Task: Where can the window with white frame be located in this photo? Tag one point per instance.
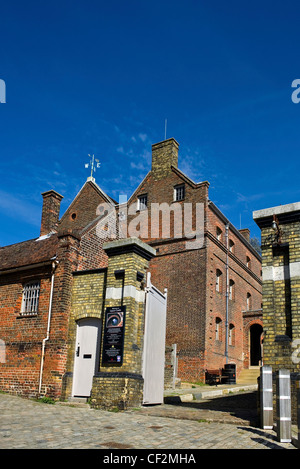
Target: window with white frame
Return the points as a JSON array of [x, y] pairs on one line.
[[218, 280], [231, 335], [142, 202], [30, 299], [231, 289], [219, 234], [179, 192], [218, 329], [248, 301], [231, 246]]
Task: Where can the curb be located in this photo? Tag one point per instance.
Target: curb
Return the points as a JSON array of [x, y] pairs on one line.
[[196, 395]]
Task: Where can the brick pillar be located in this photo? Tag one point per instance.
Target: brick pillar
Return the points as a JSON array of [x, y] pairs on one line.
[[57, 347], [119, 381], [280, 243]]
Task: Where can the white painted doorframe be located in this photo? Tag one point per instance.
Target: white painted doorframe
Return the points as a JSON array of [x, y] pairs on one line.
[[87, 349]]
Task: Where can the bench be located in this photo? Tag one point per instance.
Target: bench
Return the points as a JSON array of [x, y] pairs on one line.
[[214, 376]]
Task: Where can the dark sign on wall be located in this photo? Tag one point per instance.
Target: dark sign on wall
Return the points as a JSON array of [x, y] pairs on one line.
[[113, 339]]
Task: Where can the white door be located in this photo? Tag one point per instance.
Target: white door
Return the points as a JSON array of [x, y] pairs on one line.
[[86, 355], [154, 345]]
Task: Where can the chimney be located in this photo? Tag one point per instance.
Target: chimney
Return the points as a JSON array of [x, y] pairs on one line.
[[246, 233], [164, 155], [50, 212]]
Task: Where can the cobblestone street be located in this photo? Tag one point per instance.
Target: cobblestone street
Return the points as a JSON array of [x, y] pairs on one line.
[[33, 425]]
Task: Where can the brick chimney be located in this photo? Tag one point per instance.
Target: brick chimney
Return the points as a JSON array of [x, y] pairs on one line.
[[246, 233], [50, 212], [164, 155]]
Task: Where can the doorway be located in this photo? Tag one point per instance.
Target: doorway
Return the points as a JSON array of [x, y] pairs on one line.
[[256, 331], [87, 349]]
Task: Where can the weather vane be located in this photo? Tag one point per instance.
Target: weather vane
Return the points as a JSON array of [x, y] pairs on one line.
[[94, 163]]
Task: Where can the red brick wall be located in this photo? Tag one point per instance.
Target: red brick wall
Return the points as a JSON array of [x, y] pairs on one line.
[[183, 274], [22, 336], [245, 280]]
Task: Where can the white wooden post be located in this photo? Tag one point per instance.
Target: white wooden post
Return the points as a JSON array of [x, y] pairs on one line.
[[266, 397], [284, 410]]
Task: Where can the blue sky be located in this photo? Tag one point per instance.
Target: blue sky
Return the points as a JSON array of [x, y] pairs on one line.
[[101, 78]]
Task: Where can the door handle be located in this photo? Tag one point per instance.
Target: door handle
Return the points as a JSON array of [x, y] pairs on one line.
[[78, 351]]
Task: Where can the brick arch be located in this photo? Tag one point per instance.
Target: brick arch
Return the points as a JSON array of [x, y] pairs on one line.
[[246, 339]]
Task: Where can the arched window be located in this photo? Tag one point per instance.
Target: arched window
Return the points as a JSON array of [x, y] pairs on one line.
[[231, 289], [231, 246], [249, 301], [219, 234], [218, 280], [231, 334], [248, 262], [218, 329]]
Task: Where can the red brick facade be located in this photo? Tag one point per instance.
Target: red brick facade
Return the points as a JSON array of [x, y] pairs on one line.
[[196, 315]]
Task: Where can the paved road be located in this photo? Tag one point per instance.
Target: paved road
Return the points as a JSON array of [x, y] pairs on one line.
[[27, 424]]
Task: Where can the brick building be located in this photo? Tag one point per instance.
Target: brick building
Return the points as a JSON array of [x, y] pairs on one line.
[[211, 271]]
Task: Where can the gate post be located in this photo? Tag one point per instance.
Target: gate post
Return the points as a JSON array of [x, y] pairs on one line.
[[284, 412], [119, 382], [266, 397], [298, 409]]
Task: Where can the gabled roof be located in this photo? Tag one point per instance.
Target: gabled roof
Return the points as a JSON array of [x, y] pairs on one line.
[[83, 209]]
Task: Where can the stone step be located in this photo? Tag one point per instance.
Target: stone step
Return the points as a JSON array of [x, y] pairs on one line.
[[248, 376]]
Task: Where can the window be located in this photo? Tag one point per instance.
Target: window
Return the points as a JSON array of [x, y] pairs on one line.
[[30, 299], [218, 280], [218, 329], [231, 245], [179, 192], [231, 335], [248, 262], [248, 301], [231, 289], [142, 202], [219, 234]]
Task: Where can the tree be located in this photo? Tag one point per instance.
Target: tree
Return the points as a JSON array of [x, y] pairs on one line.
[[255, 243]]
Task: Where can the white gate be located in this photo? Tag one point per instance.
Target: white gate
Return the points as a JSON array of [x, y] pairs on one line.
[[86, 355], [154, 344]]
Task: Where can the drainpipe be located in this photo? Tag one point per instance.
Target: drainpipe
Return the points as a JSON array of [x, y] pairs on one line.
[[227, 293], [54, 265]]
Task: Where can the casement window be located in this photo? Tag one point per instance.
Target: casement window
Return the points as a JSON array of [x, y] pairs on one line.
[[179, 192], [218, 280], [142, 202], [30, 299]]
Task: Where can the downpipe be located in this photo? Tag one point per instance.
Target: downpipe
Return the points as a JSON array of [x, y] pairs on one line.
[[54, 265], [227, 293]]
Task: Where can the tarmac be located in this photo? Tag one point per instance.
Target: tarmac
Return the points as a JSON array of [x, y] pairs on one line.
[[191, 419]]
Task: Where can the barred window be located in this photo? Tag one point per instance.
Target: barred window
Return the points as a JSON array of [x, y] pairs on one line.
[[30, 300]]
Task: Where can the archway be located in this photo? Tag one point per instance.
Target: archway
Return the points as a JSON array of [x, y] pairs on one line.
[[256, 331]]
